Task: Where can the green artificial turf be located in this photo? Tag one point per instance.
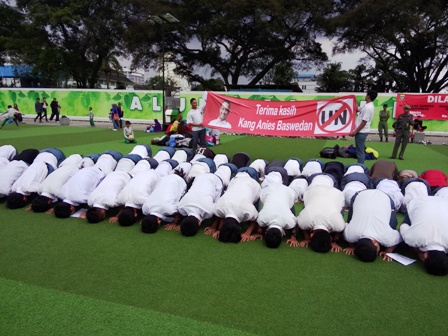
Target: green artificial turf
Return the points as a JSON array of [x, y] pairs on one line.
[[68, 277]]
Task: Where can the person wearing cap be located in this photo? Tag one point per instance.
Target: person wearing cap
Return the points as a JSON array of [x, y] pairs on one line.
[[371, 224], [403, 132], [382, 124], [128, 133]]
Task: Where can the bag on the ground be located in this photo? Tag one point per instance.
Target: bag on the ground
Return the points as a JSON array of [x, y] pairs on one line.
[[329, 152]]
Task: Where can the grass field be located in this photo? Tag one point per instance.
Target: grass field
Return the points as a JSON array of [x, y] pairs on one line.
[[68, 277]]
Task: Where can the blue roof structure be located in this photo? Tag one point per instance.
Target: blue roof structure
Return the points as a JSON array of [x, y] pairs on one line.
[[14, 71]]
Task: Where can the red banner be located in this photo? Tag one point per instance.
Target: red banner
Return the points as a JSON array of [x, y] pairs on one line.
[[335, 116], [429, 106]]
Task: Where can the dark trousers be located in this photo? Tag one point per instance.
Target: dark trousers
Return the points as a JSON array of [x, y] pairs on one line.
[[54, 114], [198, 137], [39, 115], [402, 137]]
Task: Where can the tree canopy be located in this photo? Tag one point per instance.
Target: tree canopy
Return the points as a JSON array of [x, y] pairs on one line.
[[407, 40]]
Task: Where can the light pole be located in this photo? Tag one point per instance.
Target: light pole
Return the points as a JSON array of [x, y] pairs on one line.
[[163, 19]]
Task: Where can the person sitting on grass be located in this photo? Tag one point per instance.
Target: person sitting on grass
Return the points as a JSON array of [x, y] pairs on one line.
[[425, 228], [238, 204], [128, 133], [10, 115], [371, 224], [320, 227]]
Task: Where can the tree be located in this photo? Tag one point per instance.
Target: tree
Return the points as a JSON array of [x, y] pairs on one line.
[[235, 39], [408, 40], [212, 84], [80, 33], [333, 79], [111, 64]]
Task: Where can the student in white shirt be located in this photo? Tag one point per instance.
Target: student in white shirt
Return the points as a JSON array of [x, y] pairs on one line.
[[7, 152], [238, 204], [78, 188], [28, 184], [321, 227], [425, 228], [371, 224], [199, 202]]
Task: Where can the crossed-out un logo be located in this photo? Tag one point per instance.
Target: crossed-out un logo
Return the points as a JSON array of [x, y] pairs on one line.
[[334, 116]]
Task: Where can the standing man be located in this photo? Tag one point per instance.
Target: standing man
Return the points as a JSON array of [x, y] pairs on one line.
[[194, 119], [382, 124], [54, 105], [362, 125], [38, 109], [403, 132], [44, 108]]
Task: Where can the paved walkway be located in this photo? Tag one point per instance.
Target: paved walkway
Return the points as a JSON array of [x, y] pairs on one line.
[[140, 125]]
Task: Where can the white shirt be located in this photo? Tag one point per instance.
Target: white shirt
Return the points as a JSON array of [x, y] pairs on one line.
[[180, 156], [106, 193], [196, 116], [414, 190], [140, 150], [370, 219], [163, 201], [10, 113], [86, 162], [138, 189], [47, 158], [78, 188], [163, 169], [8, 152], [293, 168], [322, 180], [272, 178], [198, 168], [51, 187], [220, 159], [429, 229], [31, 179], [224, 173], [3, 162], [9, 174], [391, 188], [277, 200], [299, 185], [106, 163], [312, 167], [238, 201], [140, 167], [72, 160], [350, 189], [220, 123], [162, 156], [443, 192], [200, 199], [354, 169], [322, 209], [366, 114], [260, 166], [125, 164], [197, 156]]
